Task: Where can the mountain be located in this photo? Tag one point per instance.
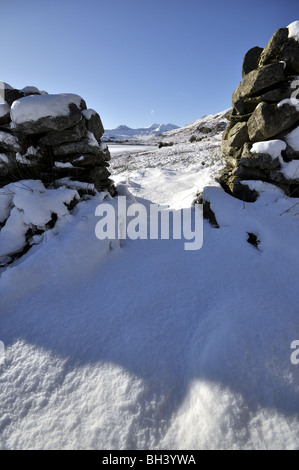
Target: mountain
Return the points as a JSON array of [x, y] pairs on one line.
[[123, 132]]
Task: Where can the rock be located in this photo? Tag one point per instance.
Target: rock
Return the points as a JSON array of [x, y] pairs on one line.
[[37, 114], [209, 214], [94, 123], [281, 48], [4, 112], [258, 80], [270, 120], [271, 52], [226, 131], [246, 106], [10, 94], [243, 192], [250, 173], [220, 127], [251, 60], [260, 161], [74, 134], [290, 55], [238, 135], [82, 147], [51, 138], [9, 143], [87, 160]]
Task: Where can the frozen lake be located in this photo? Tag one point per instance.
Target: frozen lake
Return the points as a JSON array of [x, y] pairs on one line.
[[124, 149]]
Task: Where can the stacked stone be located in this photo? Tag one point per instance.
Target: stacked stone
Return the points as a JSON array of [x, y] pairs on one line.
[[53, 138], [264, 108]]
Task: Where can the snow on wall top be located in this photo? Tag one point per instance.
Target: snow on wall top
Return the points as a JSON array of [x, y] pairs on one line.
[[32, 108], [294, 30], [88, 113]]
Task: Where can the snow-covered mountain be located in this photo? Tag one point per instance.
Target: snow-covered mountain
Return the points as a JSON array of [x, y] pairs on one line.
[[123, 132]]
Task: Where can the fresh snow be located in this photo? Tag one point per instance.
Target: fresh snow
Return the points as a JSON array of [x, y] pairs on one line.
[[4, 107], [294, 30], [34, 107], [274, 148], [27, 204], [30, 89], [290, 102], [270, 147], [290, 169], [3, 158], [88, 113], [143, 345], [92, 140], [293, 139], [9, 140], [63, 165], [123, 132]]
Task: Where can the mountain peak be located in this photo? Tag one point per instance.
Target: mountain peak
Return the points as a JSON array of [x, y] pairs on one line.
[[124, 132]]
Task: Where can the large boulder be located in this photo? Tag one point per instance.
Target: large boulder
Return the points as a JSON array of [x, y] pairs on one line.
[[258, 80], [73, 134], [251, 60], [281, 47], [36, 114], [86, 145], [238, 135], [93, 123], [268, 120]]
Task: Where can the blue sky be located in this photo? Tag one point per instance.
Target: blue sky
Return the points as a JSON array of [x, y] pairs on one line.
[[137, 62]]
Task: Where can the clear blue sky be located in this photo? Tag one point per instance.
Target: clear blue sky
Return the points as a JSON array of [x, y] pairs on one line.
[[136, 61]]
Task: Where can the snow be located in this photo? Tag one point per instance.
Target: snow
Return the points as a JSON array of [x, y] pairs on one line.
[[294, 30], [270, 147], [34, 107], [9, 140], [146, 345], [88, 113], [30, 89], [290, 169], [3, 158], [290, 102], [4, 108], [293, 139], [122, 149], [92, 140], [78, 185], [27, 204], [63, 165]]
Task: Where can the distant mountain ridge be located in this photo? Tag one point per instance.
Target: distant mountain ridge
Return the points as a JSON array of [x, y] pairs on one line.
[[124, 132]]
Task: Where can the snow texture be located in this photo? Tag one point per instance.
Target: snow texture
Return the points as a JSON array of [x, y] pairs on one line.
[[26, 204], [149, 346], [88, 113], [290, 102], [293, 139], [294, 30], [34, 107], [270, 147], [4, 108], [30, 89]]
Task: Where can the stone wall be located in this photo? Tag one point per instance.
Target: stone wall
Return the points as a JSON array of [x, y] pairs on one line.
[[261, 141], [51, 138]]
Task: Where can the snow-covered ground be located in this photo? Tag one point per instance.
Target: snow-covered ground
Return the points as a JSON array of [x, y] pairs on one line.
[[144, 345]]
